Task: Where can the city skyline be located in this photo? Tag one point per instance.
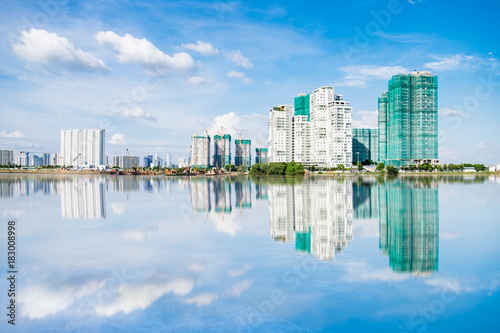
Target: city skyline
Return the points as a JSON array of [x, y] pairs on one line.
[[226, 63]]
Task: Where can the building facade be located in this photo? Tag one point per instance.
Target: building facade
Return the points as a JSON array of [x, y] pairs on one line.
[[261, 155], [320, 131], [408, 119], [82, 147], [242, 155], [126, 162], [280, 133], [6, 157], [365, 144], [222, 151], [200, 151]]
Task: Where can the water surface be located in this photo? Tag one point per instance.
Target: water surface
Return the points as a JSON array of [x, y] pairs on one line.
[[142, 254]]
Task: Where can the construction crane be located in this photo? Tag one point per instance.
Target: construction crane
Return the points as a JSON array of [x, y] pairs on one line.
[[77, 157], [130, 158]]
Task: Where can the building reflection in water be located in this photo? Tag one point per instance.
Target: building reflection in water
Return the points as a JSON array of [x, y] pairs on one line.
[[409, 226], [316, 215], [83, 198]]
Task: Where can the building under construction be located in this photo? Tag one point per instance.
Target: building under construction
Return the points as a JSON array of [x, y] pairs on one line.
[[261, 155], [222, 151], [200, 151], [126, 162], [243, 153]]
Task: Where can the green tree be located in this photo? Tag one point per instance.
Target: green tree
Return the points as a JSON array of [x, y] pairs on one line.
[[242, 168], [360, 166], [380, 166], [392, 171], [341, 167]]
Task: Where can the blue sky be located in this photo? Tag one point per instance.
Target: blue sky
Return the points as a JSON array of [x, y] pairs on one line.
[[153, 74]]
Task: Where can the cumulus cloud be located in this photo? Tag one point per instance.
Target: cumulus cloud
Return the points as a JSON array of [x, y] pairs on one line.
[[359, 271], [39, 302], [238, 288], [118, 208], [136, 112], [202, 299], [359, 76], [203, 48], [230, 121], [369, 119], [197, 80], [239, 59], [239, 75], [15, 134], [117, 139], [135, 297], [48, 49], [144, 53]]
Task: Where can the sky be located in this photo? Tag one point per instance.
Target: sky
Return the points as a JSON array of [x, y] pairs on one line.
[[154, 73]]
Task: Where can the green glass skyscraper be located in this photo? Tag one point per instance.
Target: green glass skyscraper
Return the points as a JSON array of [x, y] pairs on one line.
[[408, 119]]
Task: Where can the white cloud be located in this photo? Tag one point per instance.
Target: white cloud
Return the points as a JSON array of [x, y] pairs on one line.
[[203, 48], [136, 112], [238, 288], [139, 235], [118, 208], [144, 53], [239, 59], [39, 302], [369, 119], [239, 271], [137, 297], [413, 2], [358, 76], [480, 145], [448, 284], [239, 75], [12, 212], [202, 299], [448, 112], [230, 121], [457, 61], [15, 134], [117, 139], [48, 49], [196, 80]]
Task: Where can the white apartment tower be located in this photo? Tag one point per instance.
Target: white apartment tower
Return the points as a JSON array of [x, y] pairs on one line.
[[82, 146], [280, 133], [319, 133], [331, 129], [200, 151]]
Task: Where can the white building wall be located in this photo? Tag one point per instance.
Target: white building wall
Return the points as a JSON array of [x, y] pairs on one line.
[[280, 133], [82, 146]]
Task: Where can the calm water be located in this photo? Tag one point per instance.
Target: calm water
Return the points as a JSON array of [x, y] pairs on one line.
[[144, 254]]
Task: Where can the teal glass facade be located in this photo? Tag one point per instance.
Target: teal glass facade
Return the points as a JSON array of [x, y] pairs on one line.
[[408, 119], [301, 105], [364, 144]]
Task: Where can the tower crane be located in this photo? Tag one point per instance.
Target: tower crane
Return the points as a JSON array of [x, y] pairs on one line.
[[131, 162]]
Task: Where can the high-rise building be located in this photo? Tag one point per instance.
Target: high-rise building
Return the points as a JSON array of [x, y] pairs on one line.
[[364, 144], [408, 120], [6, 157], [82, 147], [148, 160], [280, 133], [126, 162], [242, 155], [200, 151], [261, 155], [168, 163], [320, 130], [222, 150]]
